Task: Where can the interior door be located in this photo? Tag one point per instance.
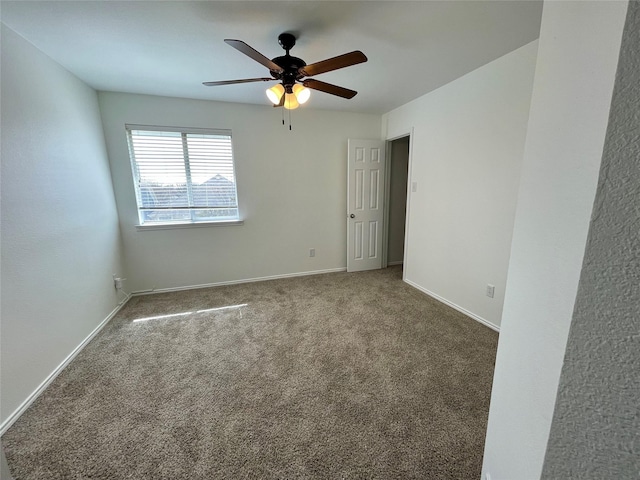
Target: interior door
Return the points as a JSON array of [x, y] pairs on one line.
[[365, 192]]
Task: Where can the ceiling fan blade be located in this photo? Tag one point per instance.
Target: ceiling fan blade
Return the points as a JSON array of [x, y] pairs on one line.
[[254, 54], [231, 82], [329, 88], [346, 60]]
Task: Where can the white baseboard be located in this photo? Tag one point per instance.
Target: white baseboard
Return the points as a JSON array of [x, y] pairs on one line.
[[235, 282], [36, 393], [477, 318]]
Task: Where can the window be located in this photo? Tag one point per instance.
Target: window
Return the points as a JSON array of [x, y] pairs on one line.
[[183, 175]]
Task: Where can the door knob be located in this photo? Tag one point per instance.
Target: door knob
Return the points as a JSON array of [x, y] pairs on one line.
[[352, 216]]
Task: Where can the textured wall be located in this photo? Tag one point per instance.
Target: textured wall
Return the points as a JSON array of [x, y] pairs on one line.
[[596, 424]]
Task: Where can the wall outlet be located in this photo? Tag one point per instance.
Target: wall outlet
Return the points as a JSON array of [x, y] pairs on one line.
[[491, 289], [487, 476], [117, 282], [312, 252]]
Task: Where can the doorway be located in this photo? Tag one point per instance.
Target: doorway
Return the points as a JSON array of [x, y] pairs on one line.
[[377, 202], [398, 176]]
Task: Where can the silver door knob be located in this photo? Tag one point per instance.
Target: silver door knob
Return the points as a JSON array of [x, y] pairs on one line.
[[352, 216]]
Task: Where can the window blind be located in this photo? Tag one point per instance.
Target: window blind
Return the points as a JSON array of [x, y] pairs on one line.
[[183, 175]]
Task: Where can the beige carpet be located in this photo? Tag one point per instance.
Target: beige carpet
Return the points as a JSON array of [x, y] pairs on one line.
[[328, 376]]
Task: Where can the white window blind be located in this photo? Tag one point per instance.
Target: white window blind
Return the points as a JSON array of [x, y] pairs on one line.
[[183, 175]]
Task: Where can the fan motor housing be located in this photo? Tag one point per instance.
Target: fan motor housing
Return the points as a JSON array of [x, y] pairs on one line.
[[290, 65]]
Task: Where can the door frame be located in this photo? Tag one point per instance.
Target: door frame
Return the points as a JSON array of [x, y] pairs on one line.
[[387, 190]]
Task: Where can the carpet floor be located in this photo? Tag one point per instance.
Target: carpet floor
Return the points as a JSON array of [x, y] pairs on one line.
[[342, 375]]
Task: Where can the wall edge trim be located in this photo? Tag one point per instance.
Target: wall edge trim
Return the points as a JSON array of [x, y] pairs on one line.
[[449, 303], [235, 282], [11, 419]]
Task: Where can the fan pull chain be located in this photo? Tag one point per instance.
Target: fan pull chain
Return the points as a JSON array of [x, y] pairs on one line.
[[289, 120], [282, 109]]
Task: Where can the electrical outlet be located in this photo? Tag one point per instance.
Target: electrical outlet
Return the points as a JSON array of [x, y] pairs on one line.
[[491, 289], [312, 252], [117, 282], [487, 476]]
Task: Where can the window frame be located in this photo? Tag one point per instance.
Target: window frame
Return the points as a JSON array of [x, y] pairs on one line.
[[183, 131]]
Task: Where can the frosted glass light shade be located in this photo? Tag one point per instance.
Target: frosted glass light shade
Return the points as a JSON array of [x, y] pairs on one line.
[[290, 102], [302, 94], [274, 94]]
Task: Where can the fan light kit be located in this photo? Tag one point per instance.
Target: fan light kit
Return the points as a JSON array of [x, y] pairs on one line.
[[293, 89], [292, 100]]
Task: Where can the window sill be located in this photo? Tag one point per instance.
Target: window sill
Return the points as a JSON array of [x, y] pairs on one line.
[[171, 226]]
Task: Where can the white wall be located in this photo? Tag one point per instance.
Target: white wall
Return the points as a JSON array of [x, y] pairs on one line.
[[60, 239], [466, 155], [291, 188], [577, 58]]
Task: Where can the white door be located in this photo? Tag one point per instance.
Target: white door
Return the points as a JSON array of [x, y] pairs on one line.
[[365, 191]]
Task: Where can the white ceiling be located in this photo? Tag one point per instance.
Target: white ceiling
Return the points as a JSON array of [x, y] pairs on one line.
[[170, 48]]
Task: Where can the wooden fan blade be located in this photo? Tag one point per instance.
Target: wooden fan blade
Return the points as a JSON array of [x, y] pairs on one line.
[[329, 88], [231, 82], [254, 54], [346, 60]]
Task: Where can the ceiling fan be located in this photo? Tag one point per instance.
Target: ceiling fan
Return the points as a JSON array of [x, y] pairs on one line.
[[291, 72]]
